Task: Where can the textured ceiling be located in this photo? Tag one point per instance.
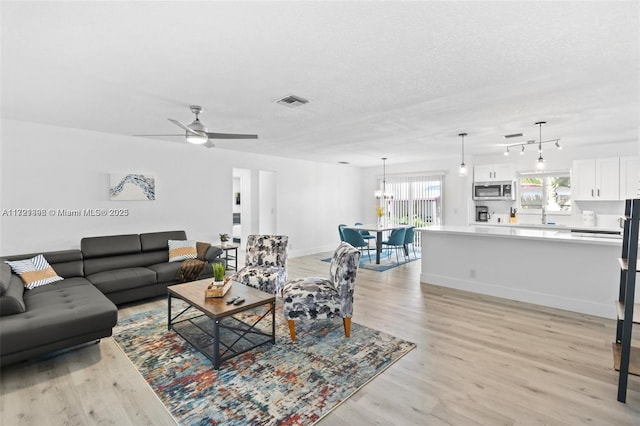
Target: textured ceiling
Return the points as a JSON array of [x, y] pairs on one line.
[[395, 79]]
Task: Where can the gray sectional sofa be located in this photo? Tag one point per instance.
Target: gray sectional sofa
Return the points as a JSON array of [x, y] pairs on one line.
[[81, 308], [132, 267]]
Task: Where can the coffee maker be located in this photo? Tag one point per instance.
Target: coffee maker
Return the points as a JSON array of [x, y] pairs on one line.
[[482, 214]]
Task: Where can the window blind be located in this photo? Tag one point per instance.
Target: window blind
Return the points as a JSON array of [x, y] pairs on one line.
[[415, 200]]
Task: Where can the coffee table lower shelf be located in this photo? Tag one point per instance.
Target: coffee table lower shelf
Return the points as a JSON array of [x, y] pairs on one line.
[[220, 339]]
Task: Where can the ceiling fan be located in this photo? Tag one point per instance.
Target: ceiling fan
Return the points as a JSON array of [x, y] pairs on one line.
[[198, 134]]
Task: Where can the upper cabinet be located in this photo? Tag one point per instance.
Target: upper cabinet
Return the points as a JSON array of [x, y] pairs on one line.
[[492, 172], [629, 177], [597, 179]]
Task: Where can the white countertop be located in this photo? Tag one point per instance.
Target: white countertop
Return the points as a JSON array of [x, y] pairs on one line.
[[558, 227], [522, 233]]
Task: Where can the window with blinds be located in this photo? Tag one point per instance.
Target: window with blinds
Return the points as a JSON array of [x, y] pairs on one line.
[[414, 200]]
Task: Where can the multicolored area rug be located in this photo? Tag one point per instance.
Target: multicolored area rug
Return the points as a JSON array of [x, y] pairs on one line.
[[289, 383]]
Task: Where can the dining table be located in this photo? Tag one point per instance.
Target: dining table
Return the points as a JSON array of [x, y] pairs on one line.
[[378, 229]]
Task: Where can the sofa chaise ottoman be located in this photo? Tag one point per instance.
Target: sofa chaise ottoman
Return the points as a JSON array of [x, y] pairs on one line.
[[54, 316]]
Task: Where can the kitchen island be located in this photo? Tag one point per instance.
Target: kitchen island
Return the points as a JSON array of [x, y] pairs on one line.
[[552, 268]]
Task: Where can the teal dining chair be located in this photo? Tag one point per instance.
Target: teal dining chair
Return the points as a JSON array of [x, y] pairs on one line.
[[354, 238], [409, 236], [342, 225], [396, 240], [365, 234]]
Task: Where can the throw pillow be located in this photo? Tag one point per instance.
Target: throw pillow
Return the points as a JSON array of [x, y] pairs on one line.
[[35, 272], [202, 248], [182, 249]]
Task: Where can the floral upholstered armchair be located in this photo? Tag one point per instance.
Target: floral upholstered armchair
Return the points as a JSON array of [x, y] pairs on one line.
[[321, 298], [266, 263]]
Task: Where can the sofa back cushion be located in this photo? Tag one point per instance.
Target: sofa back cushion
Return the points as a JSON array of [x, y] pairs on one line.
[[153, 241], [112, 245], [111, 252], [66, 263], [11, 291]]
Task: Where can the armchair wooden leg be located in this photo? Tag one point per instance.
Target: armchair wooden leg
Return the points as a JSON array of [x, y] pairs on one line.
[[347, 326], [292, 329]]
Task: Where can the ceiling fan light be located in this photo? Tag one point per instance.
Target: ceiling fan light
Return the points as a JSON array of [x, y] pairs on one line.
[[196, 139]]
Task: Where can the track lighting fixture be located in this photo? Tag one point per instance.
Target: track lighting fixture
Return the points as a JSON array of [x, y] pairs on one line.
[[540, 163]]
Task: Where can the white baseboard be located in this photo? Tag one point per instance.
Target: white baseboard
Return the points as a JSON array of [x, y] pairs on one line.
[[604, 310]]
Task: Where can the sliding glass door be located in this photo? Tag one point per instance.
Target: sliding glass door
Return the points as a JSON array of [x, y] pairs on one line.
[[414, 200]]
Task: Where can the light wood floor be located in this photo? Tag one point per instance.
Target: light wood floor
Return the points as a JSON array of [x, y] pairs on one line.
[[479, 360]]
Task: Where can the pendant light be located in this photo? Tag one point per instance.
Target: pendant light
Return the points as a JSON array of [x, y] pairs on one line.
[[463, 168], [382, 193], [540, 163]]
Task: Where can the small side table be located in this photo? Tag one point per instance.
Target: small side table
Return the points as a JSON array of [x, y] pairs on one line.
[[228, 248]]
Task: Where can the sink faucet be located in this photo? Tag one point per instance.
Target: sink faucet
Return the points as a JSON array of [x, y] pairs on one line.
[[544, 216]]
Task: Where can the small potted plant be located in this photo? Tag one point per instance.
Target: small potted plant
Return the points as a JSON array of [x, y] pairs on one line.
[[223, 239], [218, 273]]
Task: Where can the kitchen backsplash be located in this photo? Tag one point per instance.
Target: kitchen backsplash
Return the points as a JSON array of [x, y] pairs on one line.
[[606, 214]]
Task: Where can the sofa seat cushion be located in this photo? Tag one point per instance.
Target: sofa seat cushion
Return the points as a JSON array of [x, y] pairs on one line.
[[65, 310], [122, 279], [166, 271]]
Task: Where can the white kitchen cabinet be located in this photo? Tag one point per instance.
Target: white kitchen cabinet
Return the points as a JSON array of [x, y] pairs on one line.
[[493, 172], [629, 177], [597, 179]]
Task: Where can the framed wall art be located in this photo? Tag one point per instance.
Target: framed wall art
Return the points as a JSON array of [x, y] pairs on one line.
[[132, 186]]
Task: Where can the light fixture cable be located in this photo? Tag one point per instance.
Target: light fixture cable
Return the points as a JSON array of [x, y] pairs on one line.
[[463, 167], [540, 163]]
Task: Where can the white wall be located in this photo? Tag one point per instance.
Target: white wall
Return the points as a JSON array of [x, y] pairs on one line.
[[47, 167], [267, 206]]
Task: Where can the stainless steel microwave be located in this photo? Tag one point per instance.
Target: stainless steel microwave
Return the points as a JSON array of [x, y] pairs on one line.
[[505, 190]]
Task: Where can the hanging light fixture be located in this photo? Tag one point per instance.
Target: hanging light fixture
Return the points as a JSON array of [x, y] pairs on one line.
[[382, 193], [540, 163], [463, 168], [558, 145], [506, 153], [522, 150]]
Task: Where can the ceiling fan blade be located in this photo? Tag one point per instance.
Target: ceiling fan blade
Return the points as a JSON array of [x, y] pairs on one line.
[[179, 124], [231, 136], [182, 135], [209, 144]]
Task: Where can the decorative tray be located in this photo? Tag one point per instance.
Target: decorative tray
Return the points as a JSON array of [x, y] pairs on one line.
[[218, 290]]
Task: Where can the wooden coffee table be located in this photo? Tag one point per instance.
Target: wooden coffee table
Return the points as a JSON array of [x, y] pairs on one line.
[[215, 331]]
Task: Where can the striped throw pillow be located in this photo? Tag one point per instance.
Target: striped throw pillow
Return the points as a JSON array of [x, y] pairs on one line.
[[181, 250], [35, 272]]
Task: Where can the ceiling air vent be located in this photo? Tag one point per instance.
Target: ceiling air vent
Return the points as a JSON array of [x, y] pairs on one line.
[[513, 135], [292, 101]]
